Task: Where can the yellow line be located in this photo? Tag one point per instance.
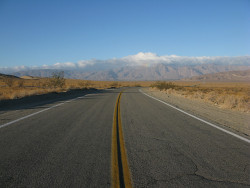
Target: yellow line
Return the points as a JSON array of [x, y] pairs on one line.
[[120, 175], [114, 156]]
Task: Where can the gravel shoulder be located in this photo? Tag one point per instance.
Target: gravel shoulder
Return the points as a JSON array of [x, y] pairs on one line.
[[234, 120]]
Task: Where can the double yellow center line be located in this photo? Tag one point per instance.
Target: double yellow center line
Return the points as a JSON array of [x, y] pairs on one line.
[[120, 175]]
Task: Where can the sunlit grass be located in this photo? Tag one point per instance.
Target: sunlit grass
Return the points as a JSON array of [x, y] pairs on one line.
[[18, 88], [223, 94]]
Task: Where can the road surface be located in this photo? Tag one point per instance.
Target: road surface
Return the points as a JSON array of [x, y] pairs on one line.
[[70, 144]]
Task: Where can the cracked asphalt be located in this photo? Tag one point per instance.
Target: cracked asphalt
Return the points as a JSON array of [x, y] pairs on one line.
[[166, 148], [66, 146], [70, 145]]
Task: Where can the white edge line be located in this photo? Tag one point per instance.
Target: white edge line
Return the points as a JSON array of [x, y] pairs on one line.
[[14, 121], [211, 124]]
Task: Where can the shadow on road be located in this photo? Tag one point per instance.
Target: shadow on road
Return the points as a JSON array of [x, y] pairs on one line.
[[32, 102]]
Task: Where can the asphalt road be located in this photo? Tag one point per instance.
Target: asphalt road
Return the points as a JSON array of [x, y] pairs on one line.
[[69, 145], [66, 146]]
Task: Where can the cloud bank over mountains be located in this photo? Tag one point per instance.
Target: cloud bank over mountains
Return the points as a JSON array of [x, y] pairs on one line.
[[141, 59]]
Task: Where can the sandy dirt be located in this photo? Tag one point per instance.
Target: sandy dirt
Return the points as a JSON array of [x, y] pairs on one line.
[[231, 119]]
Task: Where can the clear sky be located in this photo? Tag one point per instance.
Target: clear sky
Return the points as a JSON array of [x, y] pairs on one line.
[[34, 32]]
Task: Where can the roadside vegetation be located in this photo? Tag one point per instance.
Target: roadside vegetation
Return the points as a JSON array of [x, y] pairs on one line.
[[14, 87], [228, 95]]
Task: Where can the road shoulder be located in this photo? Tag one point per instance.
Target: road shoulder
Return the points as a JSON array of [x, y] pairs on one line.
[[236, 121]]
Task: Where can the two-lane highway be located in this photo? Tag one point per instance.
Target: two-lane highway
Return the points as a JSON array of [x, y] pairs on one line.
[[81, 143]]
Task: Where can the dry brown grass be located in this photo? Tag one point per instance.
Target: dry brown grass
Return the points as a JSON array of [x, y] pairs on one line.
[[22, 87], [222, 94], [18, 88]]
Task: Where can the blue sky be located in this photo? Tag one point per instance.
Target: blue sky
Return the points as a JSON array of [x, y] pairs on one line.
[[46, 32]]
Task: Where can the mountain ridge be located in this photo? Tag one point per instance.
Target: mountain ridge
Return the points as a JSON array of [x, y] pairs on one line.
[[229, 76], [160, 71]]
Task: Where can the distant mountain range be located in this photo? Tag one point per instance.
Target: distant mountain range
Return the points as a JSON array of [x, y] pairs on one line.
[[142, 66], [230, 76], [157, 72]]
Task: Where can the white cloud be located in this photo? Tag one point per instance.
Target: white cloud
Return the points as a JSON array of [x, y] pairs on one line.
[[140, 59], [65, 65], [143, 58], [84, 63]]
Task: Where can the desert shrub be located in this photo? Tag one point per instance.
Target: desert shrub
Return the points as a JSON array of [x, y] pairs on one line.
[[114, 84], [57, 80], [39, 84], [137, 85], [8, 81], [84, 84], [20, 83], [45, 83], [81, 84], [162, 85], [88, 84]]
